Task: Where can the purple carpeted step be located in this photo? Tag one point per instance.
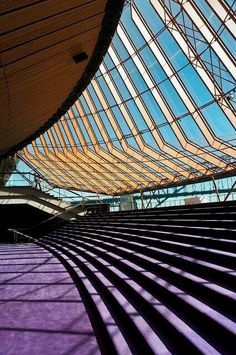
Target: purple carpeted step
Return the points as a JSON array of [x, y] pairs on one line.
[[177, 271], [222, 258], [144, 229], [224, 243], [153, 340], [221, 276], [41, 309], [138, 242], [175, 321], [194, 302], [204, 235], [117, 337], [228, 223], [155, 282]]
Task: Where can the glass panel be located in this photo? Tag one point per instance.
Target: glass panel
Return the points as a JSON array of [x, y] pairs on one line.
[[218, 122], [168, 88]]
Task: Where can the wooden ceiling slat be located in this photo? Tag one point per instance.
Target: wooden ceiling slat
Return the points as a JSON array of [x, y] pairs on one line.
[[62, 38], [38, 83], [47, 26], [33, 74], [76, 45], [37, 12], [13, 5]]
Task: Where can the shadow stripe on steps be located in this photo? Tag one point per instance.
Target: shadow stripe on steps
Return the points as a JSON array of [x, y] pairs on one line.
[[218, 274], [201, 322], [202, 289], [173, 337]]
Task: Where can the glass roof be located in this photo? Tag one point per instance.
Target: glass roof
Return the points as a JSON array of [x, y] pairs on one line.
[[160, 109]]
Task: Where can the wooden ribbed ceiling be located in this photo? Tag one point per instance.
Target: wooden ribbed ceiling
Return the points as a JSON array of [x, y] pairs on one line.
[[38, 42]]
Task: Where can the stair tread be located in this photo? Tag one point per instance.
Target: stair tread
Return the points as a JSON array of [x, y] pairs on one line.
[[179, 324], [194, 303], [168, 273]]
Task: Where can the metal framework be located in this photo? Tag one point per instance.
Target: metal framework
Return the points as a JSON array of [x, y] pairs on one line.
[[160, 109]]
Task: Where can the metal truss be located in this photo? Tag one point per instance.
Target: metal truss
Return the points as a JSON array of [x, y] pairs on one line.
[[161, 109]]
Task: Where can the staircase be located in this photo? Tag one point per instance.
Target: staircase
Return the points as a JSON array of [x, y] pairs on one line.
[[158, 281], [38, 199]]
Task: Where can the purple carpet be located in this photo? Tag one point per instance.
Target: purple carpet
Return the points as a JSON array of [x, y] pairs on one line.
[[154, 282], [41, 309]]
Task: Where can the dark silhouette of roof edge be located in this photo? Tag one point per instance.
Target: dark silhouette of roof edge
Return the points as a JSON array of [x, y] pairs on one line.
[[109, 24]]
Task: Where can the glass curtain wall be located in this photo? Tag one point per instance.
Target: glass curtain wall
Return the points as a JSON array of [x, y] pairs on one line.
[[160, 109]]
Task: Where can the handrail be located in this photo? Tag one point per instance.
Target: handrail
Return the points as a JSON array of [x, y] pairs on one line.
[[70, 209], [15, 232]]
